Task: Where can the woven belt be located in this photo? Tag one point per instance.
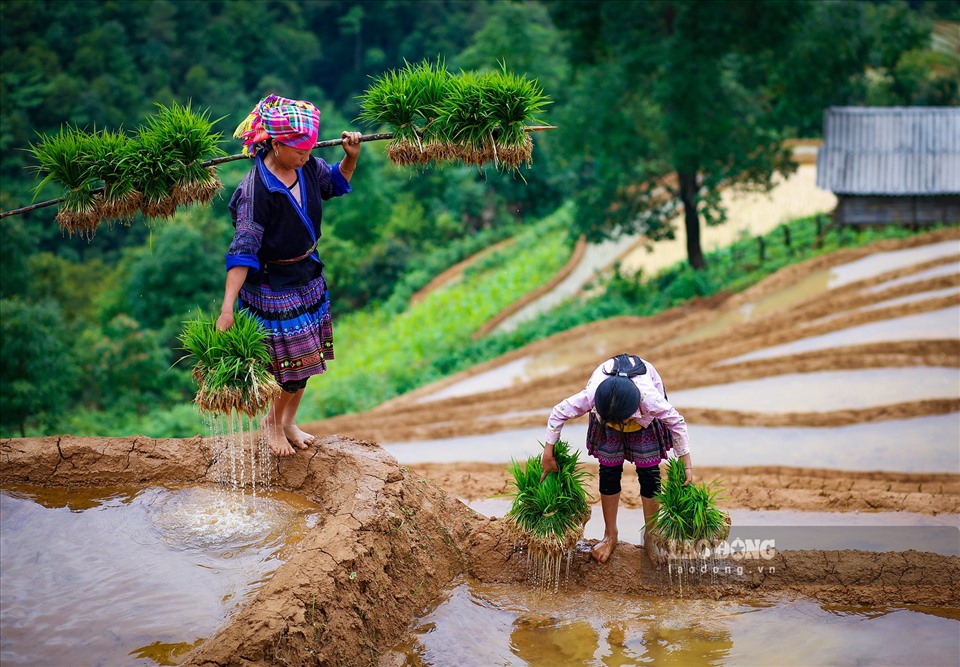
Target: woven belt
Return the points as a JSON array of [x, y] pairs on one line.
[[626, 427], [295, 259]]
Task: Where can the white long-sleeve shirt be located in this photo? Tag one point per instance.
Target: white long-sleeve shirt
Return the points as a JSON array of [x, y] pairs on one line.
[[653, 405]]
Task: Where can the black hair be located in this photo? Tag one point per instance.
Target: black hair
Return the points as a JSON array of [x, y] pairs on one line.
[[618, 397]]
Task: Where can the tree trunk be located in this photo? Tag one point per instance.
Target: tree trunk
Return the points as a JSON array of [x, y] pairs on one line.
[[691, 221]]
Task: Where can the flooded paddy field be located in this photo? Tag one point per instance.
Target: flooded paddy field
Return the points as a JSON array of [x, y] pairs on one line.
[[850, 464]]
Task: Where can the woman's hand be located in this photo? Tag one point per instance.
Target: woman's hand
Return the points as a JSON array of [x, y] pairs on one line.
[[548, 463], [351, 144], [687, 469], [225, 321]]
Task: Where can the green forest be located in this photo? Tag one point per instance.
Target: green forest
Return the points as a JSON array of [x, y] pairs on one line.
[[658, 104]]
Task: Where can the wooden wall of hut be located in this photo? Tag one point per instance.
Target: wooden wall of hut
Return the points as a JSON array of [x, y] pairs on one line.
[[884, 210]]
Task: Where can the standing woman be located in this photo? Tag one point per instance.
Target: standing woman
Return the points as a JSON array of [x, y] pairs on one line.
[[630, 420], [273, 269]]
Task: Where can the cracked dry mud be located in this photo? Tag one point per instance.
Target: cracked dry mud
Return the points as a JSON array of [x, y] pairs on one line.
[[407, 536]]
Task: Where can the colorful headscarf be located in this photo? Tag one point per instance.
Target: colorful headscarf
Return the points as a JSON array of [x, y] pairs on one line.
[[293, 123]]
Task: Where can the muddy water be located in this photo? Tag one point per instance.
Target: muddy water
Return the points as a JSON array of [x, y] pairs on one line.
[[943, 324], [921, 444], [132, 576], [790, 530], [825, 390], [882, 262], [476, 624]]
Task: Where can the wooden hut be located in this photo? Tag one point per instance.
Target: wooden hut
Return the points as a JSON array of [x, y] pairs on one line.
[[892, 165]]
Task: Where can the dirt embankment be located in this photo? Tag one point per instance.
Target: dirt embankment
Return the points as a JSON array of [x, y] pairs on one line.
[[391, 540], [753, 487]]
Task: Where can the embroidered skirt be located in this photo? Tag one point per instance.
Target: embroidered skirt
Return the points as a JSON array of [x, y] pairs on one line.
[[299, 324], [644, 447]]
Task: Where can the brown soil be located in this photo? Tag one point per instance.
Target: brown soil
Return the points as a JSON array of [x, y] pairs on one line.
[[407, 536]]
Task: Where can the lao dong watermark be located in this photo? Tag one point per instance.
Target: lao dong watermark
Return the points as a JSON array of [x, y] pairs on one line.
[[716, 558]]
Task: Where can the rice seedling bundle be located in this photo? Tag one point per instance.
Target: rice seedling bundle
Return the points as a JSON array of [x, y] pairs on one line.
[[110, 165], [473, 118], [407, 101], [109, 175], [65, 159], [168, 163], [548, 517], [688, 521], [232, 366]]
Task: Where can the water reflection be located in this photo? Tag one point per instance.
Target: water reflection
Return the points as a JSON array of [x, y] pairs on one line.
[[476, 624], [883, 262], [121, 577], [943, 324], [825, 390]]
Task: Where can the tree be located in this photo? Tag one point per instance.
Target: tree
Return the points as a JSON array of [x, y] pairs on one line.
[[37, 374], [679, 110], [175, 275]]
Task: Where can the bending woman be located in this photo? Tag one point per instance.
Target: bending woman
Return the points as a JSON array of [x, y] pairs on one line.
[[273, 268], [630, 420]]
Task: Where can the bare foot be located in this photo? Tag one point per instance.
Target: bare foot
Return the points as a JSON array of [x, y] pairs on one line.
[[657, 556], [276, 440], [279, 445], [297, 437], [603, 549]]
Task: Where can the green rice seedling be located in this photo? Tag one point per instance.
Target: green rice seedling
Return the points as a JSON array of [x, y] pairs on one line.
[[431, 81], [154, 174], [550, 513], [688, 518], [405, 101], [108, 156], [548, 516], [168, 165], [189, 140], [514, 102], [463, 121], [231, 367], [65, 159]]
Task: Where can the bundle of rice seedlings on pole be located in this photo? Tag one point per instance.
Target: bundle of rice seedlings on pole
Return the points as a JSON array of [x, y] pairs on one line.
[[65, 157], [688, 523], [548, 517], [108, 175], [168, 167], [188, 139], [109, 164], [406, 100], [232, 366], [514, 102], [464, 122]]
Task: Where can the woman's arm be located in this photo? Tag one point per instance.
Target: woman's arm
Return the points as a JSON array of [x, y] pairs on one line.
[[235, 277]]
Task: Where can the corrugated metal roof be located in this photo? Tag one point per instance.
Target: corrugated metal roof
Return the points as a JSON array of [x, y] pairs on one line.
[[890, 151]]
